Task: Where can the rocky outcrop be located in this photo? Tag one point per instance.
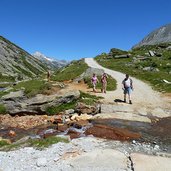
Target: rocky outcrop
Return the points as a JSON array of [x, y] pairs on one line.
[[17, 103], [161, 35]]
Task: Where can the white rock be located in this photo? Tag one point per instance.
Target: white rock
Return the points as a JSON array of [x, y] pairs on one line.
[[41, 162], [156, 147], [133, 142], [56, 159], [150, 163]]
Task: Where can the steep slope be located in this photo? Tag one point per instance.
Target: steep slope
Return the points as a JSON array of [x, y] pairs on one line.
[[16, 63], [50, 62], [161, 35]]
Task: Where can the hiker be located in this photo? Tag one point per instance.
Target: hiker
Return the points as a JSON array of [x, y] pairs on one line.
[[94, 81], [127, 86], [104, 82], [48, 75]]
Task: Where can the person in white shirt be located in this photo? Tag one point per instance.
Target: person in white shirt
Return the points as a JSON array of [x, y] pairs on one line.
[[127, 86]]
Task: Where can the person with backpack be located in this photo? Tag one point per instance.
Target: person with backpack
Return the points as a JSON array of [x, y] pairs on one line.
[[127, 86], [94, 81], [104, 82]]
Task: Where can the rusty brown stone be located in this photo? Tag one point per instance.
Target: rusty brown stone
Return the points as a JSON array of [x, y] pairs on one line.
[[82, 108], [73, 134], [82, 122], [62, 128], [103, 131], [12, 133]]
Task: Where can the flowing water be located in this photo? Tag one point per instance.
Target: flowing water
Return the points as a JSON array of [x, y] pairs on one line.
[[116, 129]]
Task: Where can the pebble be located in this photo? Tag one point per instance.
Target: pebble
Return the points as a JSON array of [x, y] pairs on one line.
[[41, 162]]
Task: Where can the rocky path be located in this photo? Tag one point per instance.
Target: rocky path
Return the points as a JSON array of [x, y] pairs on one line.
[[144, 97], [85, 154]]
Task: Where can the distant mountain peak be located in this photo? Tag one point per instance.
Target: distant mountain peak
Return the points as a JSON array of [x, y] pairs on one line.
[[160, 35], [41, 55], [51, 63]]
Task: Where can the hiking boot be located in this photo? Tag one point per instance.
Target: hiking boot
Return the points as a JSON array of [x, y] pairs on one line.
[[130, 102]]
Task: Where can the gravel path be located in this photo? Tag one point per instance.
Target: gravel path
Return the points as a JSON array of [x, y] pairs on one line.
[[142, 96]]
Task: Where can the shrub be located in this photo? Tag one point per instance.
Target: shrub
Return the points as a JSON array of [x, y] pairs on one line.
[[2, 109]]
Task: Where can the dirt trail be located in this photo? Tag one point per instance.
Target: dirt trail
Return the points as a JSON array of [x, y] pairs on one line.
[[142, 96]]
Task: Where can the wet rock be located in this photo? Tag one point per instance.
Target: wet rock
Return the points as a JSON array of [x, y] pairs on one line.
[[58, 119], [133, 142], [107, 132], [73, 134], [47, 133], [62, 127], [82, 123], [122, 115]]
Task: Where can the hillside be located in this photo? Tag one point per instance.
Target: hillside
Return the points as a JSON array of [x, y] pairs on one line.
[[160, 35], [16, 63], [151, 63], [51, 63]]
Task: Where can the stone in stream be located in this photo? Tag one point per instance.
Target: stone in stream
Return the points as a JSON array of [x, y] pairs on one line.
[[107, 132]]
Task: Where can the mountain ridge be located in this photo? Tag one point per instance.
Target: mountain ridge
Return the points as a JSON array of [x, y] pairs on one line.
[[17, 63], [158, 36], [51, 63]]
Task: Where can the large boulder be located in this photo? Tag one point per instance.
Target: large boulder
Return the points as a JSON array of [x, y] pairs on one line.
[[38, 104], [143, 162], [101, 160]]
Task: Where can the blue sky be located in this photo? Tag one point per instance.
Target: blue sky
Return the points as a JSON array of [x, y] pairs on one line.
[[72, 29]]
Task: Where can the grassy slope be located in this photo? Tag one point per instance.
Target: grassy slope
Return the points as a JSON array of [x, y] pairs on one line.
[[71, 71], [135, 68], [33, 87], [75, 69]]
